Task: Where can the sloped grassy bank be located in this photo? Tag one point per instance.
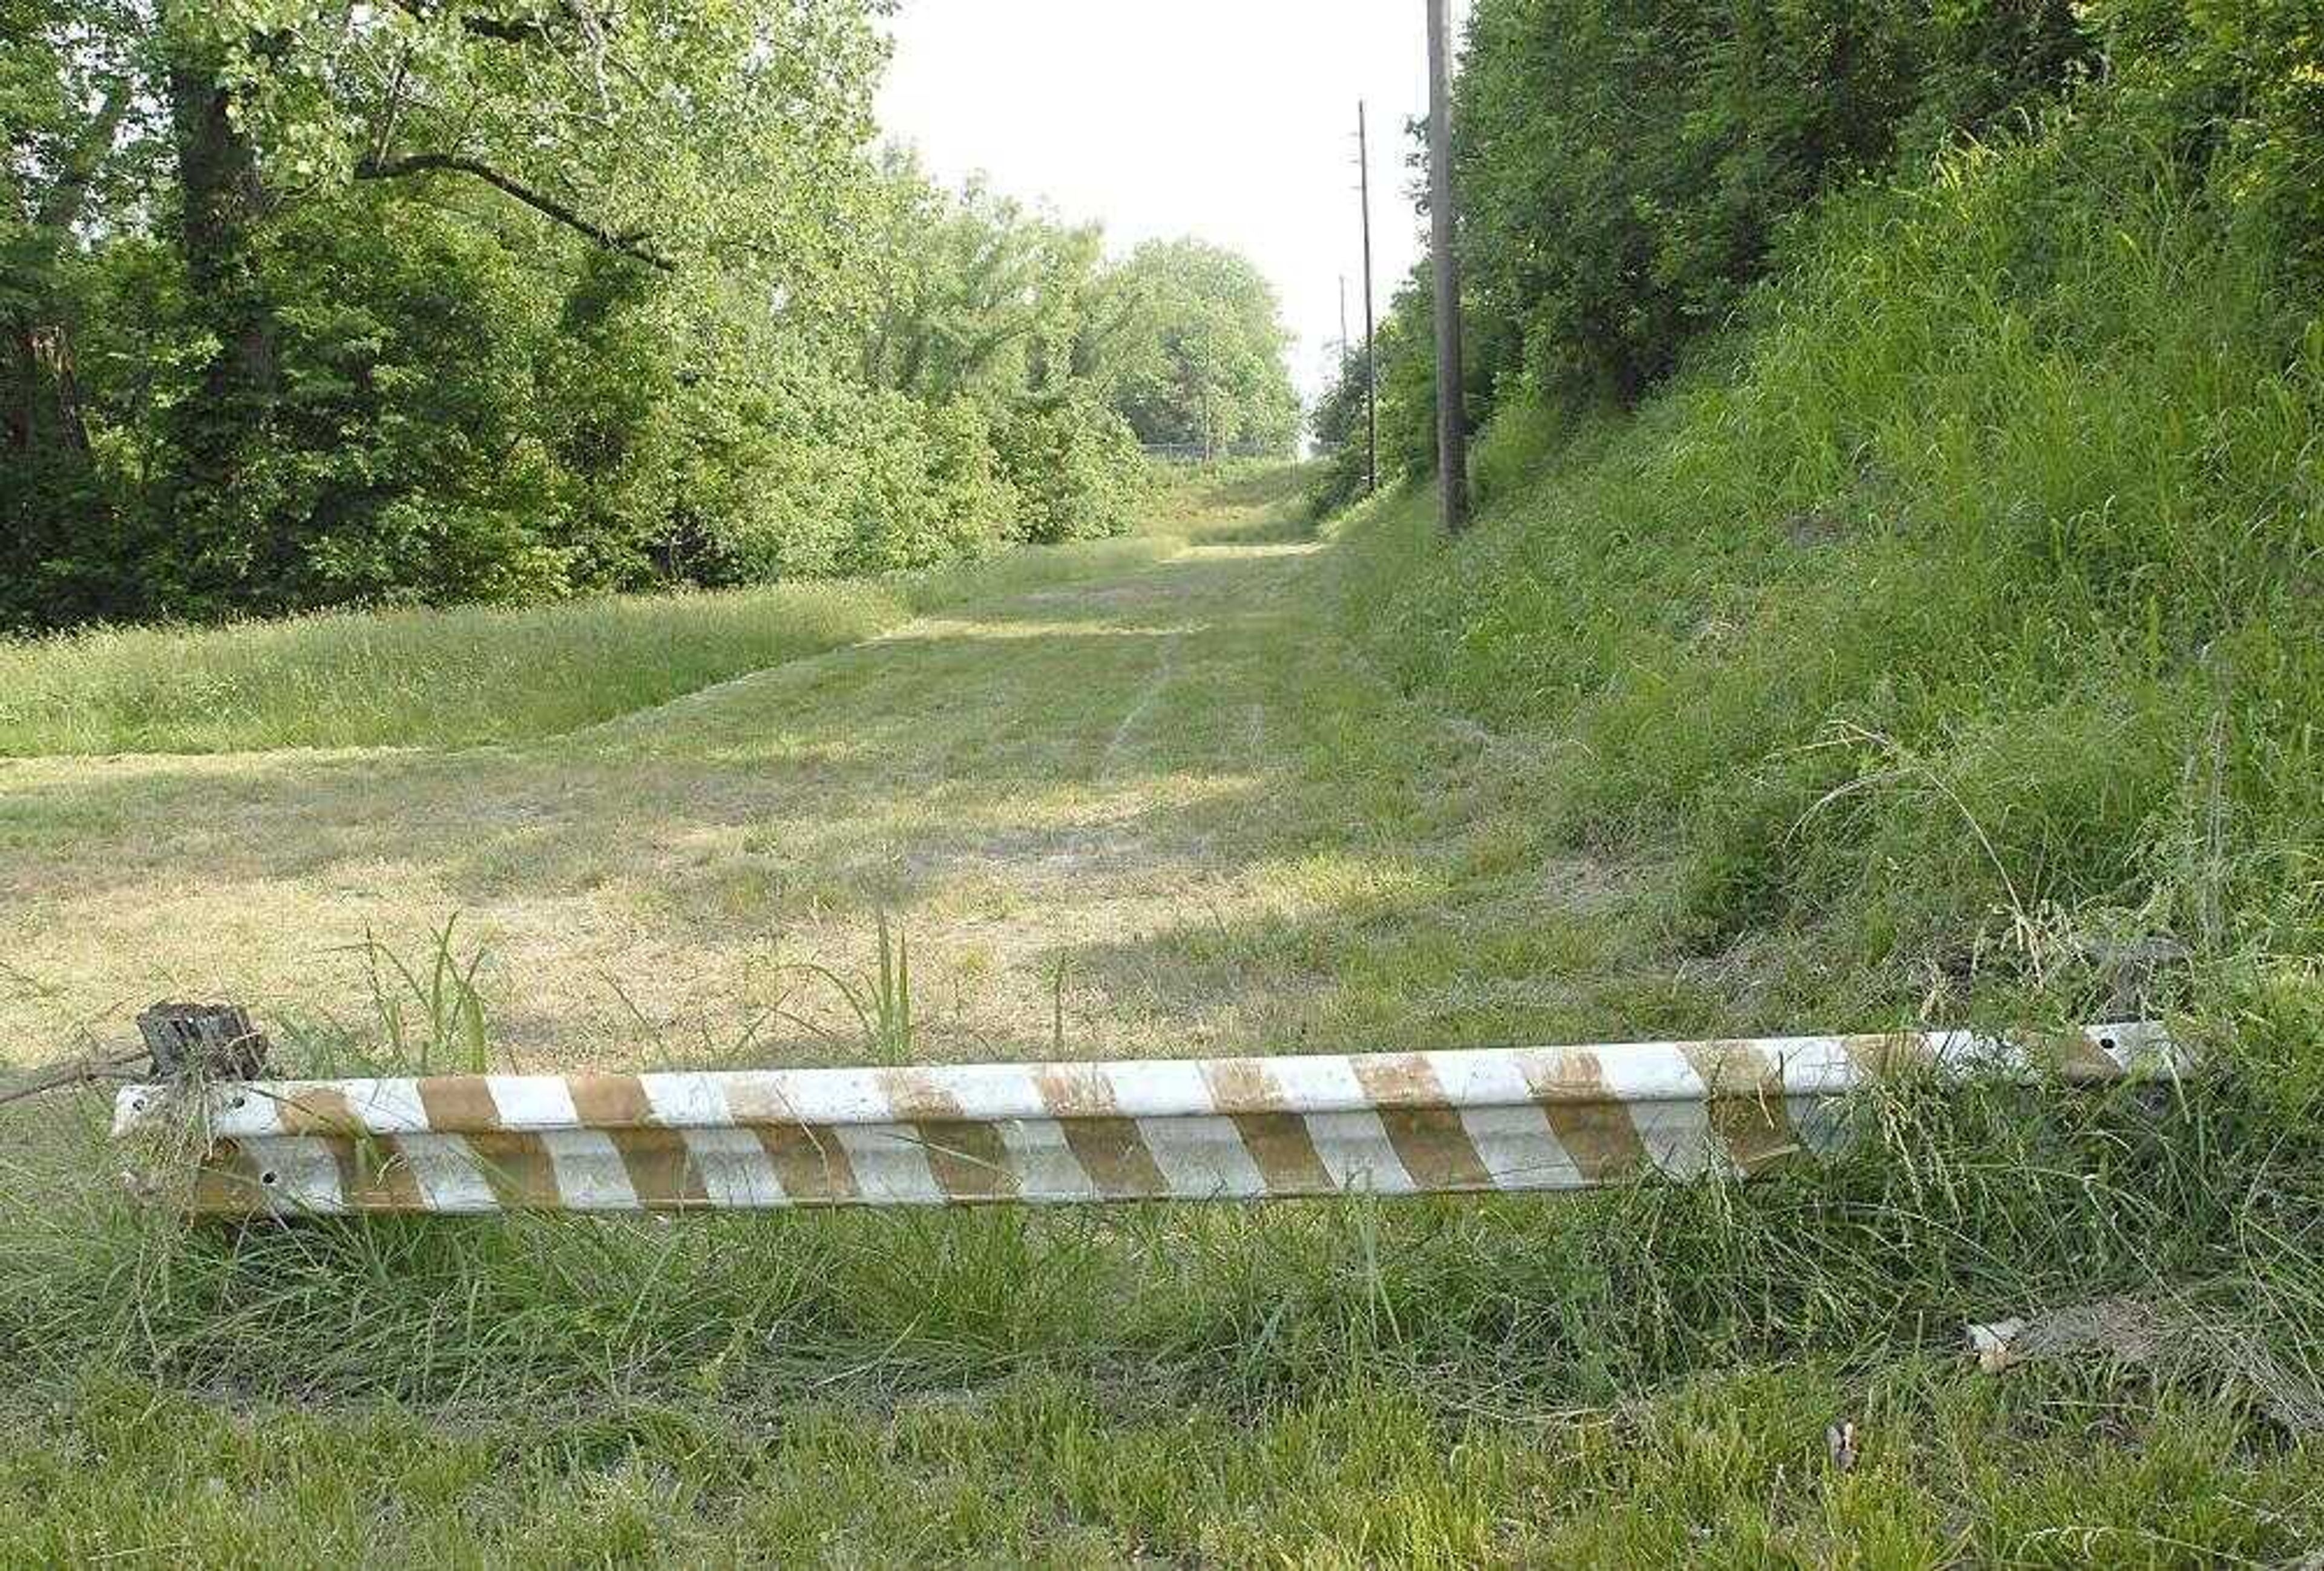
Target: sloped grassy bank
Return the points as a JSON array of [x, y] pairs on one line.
[[1960, 619], [1958, 622]]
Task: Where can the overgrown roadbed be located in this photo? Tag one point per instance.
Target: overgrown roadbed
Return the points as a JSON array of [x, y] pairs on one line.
[[1161, 810]]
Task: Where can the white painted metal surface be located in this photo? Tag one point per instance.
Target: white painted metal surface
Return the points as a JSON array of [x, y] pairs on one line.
[[1511, 1119]]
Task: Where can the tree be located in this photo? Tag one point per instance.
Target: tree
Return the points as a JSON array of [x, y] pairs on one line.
[[69, 108], [975, 294], [319, 302], [721, 129], [1208, 369], [719, 138]]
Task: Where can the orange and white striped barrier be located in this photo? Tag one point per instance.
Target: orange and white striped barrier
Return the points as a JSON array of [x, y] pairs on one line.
[[1492, 1120]]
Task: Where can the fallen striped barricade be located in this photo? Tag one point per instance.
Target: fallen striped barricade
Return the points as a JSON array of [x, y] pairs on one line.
[[1470, 1121]]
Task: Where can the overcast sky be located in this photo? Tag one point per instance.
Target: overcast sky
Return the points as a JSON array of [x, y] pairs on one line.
[[1233, 120]]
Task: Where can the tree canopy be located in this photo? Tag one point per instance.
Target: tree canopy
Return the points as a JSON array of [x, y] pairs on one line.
[[1208, 370], [305, 303]]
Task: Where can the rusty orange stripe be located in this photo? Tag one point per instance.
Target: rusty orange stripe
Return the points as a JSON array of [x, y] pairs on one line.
[[1431, 1141], [373, 1172], [318, 1110], [1111, 1148], [1883, 1056], [1598, 1136], [226, 1182], [518, 1168], [661, 1170], [458, 1104], [1279, 1143], [610, 1101], [968, 1159], [810, 1162], [375, 1175], [663, 1173], [1746, 1108]]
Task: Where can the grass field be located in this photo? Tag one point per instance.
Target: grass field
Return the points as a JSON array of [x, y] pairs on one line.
[[1170, 806], [461, 678], [1038, 1469]]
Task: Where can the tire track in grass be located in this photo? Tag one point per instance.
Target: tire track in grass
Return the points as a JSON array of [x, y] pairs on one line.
[[1149, 694]]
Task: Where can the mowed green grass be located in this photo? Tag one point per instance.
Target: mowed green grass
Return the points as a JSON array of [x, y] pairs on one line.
[[1039, 1469], [467, 676], [1645, 1376]]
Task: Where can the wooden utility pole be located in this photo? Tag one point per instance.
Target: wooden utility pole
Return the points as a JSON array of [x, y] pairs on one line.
[[1451, 432], [1371, 365]]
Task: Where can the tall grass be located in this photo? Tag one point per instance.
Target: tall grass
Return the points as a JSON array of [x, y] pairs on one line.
[[1961, 610], [463, 677], [1956, 1210], [1956, 622], [2196, 1204], [1681, 1347]]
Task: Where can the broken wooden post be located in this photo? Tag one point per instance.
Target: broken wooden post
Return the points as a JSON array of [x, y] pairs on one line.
[[211, 1041], [183, 1042]]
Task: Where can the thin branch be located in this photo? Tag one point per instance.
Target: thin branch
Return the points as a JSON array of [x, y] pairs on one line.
[[386, 138], [626, 245], [77, 1072]]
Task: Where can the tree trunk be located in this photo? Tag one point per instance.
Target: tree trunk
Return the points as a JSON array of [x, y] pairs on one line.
[[51, 504], [51, 415], [223, 200], [41, 421], [218, 177], [225, 536]]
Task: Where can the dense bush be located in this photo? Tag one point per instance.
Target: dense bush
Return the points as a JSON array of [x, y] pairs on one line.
[[2238, 88], [1606, 222], [1076, 469]]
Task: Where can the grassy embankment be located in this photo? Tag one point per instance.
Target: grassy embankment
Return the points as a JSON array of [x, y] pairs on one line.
[[1953, 633]]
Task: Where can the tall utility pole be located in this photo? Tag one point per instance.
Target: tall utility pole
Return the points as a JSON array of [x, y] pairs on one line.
[[1371, 365], [1452, 433]]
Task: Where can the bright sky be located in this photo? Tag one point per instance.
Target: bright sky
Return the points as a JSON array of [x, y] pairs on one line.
[[1233, 120]]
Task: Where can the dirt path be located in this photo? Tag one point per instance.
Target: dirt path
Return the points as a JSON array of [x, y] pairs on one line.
[[1173, 806]]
